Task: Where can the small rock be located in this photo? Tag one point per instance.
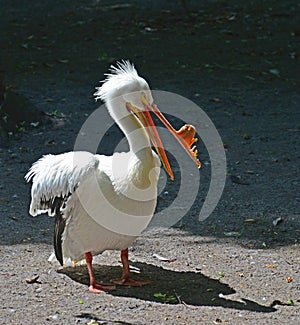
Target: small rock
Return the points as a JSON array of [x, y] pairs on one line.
[[52, 317]]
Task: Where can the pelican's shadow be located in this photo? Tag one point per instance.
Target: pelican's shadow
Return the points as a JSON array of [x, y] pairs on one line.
[[167, 286]]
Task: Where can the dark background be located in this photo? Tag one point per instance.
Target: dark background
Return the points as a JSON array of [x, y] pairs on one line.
[[239, 61]]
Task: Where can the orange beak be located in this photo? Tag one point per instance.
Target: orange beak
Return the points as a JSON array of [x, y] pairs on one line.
[[185, 136]]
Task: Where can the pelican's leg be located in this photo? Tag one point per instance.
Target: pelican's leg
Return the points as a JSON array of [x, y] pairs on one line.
[[126, 279], [95, 287]]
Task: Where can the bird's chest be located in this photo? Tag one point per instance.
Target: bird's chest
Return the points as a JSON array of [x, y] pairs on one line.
[[135, 180], [120, 206]]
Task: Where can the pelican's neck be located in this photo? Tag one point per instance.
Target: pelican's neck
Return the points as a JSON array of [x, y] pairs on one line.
[[140, 161], [134, 131]]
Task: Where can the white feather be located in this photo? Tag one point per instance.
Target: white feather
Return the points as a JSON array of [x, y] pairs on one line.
[[58, 176], [124, 75]]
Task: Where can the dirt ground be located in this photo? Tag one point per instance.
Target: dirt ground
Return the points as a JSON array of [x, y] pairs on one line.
[[239, 61]]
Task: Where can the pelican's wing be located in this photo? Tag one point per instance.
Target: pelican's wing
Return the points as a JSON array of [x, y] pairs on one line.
[[56, 177]]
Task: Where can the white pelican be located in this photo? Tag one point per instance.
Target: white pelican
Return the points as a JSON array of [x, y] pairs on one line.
[[88, 192]]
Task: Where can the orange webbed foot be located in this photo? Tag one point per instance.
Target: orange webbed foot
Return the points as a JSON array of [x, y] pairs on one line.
[[101, 288]]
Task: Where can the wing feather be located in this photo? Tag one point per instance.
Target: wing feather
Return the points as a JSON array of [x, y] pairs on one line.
[[57, 176]]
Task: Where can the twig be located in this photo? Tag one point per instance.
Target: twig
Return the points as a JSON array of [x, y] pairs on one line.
[[183, 302]]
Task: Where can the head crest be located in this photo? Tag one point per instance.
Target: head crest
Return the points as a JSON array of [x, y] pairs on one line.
[[122, 67], [123, 71]]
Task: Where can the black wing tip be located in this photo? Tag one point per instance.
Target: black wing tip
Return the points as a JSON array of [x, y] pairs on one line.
[[58, 231], [59, 227], [59, 258]]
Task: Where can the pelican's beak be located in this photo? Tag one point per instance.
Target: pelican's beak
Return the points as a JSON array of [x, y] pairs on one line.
[[147, 121], [185, 136]]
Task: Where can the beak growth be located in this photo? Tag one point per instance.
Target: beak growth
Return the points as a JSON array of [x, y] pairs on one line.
[[185, 135], [147, 121]]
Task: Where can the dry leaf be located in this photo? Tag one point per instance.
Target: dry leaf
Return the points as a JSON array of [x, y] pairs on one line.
[[232, 234], [250, 220], [93, 322], [64, 61], [250, 172], [277, 221], [33, 279]]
